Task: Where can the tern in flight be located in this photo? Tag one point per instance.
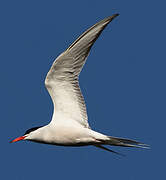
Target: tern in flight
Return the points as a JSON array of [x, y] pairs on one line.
[[69, 125]]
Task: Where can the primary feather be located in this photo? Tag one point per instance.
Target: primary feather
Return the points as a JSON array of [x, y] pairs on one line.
[[62, 79], [69, 125]]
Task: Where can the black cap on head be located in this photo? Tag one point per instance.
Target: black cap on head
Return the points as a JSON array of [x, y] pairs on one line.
[[32, 129]]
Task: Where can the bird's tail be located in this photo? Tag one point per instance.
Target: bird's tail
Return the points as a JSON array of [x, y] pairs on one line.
[[115, 141]]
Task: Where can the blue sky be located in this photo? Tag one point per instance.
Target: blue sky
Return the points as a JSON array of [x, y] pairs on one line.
[[123, 83]]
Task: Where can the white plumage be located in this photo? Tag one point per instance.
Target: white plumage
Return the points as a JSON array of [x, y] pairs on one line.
[[69, 125]]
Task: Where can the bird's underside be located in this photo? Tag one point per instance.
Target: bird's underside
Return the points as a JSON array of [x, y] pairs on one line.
[[69, 125], [112, 141], [77, 136]]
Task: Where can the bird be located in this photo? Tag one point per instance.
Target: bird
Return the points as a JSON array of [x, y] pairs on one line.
[[69, 125]]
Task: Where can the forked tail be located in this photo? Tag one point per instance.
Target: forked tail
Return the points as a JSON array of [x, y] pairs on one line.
[[115, 141]]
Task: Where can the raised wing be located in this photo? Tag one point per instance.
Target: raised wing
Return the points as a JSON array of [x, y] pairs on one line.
[[62, 78]]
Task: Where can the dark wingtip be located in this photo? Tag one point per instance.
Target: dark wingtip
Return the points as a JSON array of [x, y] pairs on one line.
[[110, 18], [114, 15], [117, 14]]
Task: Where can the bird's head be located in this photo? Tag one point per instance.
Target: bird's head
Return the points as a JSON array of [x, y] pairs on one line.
[[26, 135]]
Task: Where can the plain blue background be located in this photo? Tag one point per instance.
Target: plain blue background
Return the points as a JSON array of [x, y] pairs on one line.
[[123, 83]]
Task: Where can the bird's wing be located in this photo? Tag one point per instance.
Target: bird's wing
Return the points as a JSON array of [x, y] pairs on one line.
[[62, 78]]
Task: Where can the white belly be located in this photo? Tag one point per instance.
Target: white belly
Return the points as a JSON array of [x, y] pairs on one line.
[[66, 135], [69, 135]]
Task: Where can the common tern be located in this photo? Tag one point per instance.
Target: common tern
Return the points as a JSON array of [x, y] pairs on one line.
[[69, 125]]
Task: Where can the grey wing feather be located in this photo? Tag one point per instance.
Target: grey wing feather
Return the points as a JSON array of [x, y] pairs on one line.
[[62, 78]]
